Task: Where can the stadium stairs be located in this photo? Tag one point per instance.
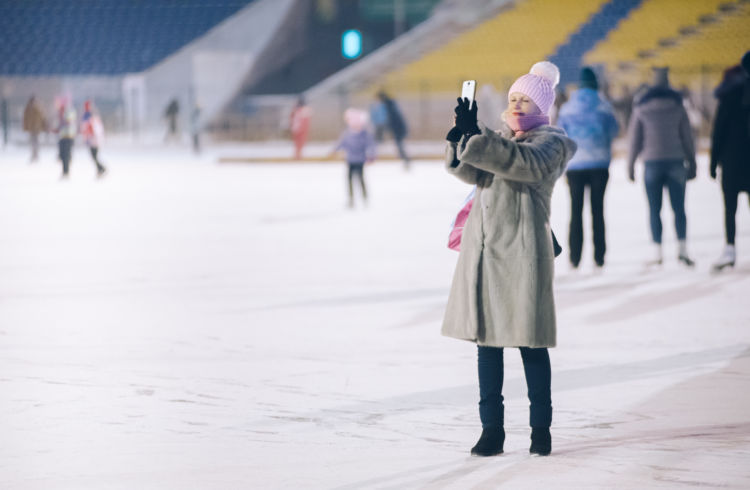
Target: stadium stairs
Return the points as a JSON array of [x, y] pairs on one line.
[[569, 55]]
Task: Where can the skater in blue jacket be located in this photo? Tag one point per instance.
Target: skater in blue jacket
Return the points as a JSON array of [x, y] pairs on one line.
[[589, 120]]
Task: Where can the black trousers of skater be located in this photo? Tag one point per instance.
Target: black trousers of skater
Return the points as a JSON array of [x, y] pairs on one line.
[[34, 140], [402, 151], [731, 192], [95, 156], [536, 366], [356, 169], [65, 147], [596, 180]]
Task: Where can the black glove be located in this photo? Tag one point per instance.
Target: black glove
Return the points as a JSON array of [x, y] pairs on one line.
[[712, 170], [454, 135], [691, 171], [466, 117], [555, 245]]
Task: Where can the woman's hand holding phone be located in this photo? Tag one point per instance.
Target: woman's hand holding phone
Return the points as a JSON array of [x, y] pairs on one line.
[[466, 117], [465, 120]]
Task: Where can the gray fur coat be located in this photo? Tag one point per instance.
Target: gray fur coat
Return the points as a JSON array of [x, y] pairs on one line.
[[501, 293]]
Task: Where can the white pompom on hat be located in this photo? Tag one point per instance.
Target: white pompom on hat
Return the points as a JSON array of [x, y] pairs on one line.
[[356, 119], [539, 85]]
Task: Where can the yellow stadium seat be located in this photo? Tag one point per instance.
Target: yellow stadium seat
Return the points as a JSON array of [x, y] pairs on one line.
[[498, 50]]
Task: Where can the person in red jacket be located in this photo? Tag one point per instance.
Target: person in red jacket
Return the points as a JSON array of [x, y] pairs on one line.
[[299, 125], [92, 131]]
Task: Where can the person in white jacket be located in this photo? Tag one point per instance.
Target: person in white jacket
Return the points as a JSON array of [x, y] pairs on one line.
[[92, 131]]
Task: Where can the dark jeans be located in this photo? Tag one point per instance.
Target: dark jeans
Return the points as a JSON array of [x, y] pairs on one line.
[[402, 150], [356, 169], [34, 139], [731, 193], [65, 145], [95, 155], [671, 174], [596, 180], [379, 132], [536, 366]]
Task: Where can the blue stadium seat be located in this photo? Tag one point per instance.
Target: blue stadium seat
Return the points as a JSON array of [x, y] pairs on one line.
[[105, 37]]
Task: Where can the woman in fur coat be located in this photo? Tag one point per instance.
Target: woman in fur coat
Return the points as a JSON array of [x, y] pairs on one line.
[[501, 295]]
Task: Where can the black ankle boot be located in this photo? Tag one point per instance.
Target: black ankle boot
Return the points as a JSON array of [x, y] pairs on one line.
[[541, 441], [490, 442]]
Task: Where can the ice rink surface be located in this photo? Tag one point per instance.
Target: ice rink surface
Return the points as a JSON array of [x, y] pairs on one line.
[[184, 324]]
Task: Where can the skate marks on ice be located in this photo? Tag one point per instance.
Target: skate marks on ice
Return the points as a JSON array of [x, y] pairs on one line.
[[367, 414], [358, 299], [693, 433], [609, 298]]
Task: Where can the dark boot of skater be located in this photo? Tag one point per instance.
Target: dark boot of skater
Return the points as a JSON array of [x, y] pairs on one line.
[[490, 442], [541, 441]]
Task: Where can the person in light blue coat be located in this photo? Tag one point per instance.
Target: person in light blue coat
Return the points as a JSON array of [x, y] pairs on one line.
[[589, 120]]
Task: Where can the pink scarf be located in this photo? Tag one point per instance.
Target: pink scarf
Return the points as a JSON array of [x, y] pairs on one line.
[[521, 124]]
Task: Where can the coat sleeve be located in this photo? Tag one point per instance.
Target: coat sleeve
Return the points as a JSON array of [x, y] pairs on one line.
[[717, 134], [462, 170], [686, 138], [613, 127], [340, 143], [371, 147], [529, 162], [562, 122], [635, 137]]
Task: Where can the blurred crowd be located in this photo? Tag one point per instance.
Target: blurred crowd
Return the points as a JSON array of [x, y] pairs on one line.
[[66, 125], [660, 124]]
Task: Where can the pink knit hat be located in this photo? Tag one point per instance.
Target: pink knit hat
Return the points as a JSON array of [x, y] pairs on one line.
[[539, 85], [356, 119]]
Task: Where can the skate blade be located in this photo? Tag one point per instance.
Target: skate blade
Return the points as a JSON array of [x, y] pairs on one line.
[[721, 267]]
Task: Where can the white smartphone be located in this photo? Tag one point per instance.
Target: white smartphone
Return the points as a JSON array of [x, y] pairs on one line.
[[468, 89]]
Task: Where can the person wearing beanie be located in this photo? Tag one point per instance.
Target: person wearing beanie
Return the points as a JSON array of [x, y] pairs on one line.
[[588, 79], [359, 145], [66, 131], [501, 294], [659, 133], [590, 121], [730, 146]]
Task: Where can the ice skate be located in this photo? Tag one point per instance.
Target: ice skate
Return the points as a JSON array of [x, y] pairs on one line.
[[726, 259], [682, 255], [656, 259], [684, 259]]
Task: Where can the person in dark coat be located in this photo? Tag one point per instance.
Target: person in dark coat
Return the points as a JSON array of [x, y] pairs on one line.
[[590, 121], [661, 136], [171, 113], [730, 150], [34, 123], [396, 125]]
